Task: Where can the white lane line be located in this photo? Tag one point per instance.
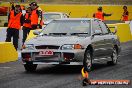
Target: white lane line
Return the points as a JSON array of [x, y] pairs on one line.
[[5, 67]]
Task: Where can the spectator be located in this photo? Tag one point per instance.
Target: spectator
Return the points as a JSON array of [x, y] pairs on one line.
[[100, 14], [125, 14], [36, 16], [15, 20], [27, 24]]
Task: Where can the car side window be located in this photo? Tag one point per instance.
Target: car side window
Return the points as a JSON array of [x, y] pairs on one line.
[[96, 26], [105, 29]]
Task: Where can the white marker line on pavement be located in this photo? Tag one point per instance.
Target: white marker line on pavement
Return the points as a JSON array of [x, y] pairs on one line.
[[4, 67]]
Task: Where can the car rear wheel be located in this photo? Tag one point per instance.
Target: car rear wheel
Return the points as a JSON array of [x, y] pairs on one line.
[[87, 62], [30, 67], [114, 57]]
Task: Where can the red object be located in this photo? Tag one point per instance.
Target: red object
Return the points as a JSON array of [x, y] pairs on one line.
[[14, 21], [84, 73], [46, 53], [27, 57], [3, 11], [68, 56], [34, 17], [99, 15], [125, 18], [28, 25]]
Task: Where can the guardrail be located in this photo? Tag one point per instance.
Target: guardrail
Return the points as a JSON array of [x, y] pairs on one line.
[[123, 31]]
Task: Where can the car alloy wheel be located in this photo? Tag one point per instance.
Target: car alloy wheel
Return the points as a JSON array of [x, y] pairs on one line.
[[114, 56], [87, 61]]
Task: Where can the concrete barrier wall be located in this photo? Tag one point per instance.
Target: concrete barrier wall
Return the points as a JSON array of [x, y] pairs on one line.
[[87, 10], [7, 52], [130, 24], [123, 31], [3, 36], [31, 35]]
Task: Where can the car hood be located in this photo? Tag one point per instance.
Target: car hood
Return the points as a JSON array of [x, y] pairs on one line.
[[52, 40]]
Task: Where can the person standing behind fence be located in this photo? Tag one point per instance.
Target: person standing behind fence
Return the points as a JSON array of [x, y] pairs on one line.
[[100, 14], [36, 16], [125, 14], [27, 24], [15, 20]]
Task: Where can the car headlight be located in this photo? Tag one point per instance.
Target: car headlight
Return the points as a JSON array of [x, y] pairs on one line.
[[71, 46], [28, 46]]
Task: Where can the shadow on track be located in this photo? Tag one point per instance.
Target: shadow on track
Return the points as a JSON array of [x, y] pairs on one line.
[[66, 69]]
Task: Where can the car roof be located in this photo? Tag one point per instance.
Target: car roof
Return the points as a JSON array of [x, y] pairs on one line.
[[75, 19], [54, 13]]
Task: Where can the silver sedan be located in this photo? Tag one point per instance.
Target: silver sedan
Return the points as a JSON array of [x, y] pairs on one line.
[[72, 41]]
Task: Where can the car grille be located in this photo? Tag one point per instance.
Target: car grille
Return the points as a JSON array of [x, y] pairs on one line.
[[54, 57], [47, 47]]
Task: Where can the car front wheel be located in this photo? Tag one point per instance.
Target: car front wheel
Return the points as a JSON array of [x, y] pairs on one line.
[[87, 62], [30, 67]]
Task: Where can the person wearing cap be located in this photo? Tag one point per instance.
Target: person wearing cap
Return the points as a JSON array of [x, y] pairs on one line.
[[27, 24], [36, 16], [125, 14], [15, 20], [100, 14]]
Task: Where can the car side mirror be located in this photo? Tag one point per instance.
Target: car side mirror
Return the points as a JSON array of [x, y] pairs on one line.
[[97, 32], [36, 32]]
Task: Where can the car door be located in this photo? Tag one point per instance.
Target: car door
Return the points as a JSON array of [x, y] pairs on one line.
[[97, 39], [108, 45]]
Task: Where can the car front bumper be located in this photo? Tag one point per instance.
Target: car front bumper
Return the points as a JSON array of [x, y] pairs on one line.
[[69, 57]]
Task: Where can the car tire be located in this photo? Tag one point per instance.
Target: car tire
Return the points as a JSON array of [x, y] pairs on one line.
[[87, 62], [114, 57], [30, 67]]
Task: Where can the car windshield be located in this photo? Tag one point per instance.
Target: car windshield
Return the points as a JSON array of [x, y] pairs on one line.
[[51, 16], [72, 27]]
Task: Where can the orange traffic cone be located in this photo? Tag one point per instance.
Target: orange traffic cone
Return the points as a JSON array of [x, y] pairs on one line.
[[85, 75]]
